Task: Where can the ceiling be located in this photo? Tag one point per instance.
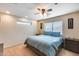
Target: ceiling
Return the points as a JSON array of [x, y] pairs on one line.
[[29, 9]]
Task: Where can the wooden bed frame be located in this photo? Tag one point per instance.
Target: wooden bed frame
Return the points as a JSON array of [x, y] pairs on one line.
[[39, 53]]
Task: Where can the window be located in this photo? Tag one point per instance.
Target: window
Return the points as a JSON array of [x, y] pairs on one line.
[[48, 27]]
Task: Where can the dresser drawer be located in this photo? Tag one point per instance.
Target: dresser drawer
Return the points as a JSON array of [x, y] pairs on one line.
[[72, 45]]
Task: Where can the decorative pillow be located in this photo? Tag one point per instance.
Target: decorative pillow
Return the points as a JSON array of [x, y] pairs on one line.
[[56, 34]]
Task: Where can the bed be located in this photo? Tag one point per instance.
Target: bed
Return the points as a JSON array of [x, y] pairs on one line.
[[47, 45]]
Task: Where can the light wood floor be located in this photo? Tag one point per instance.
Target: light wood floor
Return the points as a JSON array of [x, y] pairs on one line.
[[22, 50]]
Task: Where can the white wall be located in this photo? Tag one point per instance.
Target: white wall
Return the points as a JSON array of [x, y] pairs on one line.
[[12, 33]]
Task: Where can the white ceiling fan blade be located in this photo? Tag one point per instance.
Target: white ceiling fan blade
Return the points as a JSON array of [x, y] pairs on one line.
[[36, 13]]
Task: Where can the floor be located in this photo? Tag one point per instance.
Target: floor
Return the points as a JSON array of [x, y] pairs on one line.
[[18, 50], [22, 50]]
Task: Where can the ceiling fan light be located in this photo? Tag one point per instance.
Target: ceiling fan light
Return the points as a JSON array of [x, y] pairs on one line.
[[43, 11]]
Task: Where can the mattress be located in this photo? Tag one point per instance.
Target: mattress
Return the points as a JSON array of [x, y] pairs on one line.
[[45, 43]]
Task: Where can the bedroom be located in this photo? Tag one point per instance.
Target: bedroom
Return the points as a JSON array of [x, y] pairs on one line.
[[20, 21]]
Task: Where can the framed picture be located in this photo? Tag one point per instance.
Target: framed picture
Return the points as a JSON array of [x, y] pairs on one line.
[[41, 25], [70, 23]]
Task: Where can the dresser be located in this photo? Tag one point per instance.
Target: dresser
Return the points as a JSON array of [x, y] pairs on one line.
[[1, 48], [71, 44]]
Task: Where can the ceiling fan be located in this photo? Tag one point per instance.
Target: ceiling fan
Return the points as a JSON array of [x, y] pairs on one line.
[[43, 11]]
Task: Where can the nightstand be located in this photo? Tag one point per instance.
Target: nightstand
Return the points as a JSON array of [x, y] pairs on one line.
[[71, 44], [37, 34]]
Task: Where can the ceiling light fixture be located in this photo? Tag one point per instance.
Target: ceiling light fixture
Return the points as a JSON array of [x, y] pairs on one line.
[[44, 10], [24, 20], [7, 12], [23, 23]]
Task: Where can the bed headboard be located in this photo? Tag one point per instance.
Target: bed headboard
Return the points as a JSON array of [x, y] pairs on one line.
[[53, 27]]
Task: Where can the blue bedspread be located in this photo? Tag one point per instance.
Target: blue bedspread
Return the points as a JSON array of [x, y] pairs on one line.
[[46, 44]]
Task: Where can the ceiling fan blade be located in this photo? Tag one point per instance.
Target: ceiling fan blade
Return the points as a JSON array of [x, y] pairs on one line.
[[38, 9], [36, 13], [49, 10]]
